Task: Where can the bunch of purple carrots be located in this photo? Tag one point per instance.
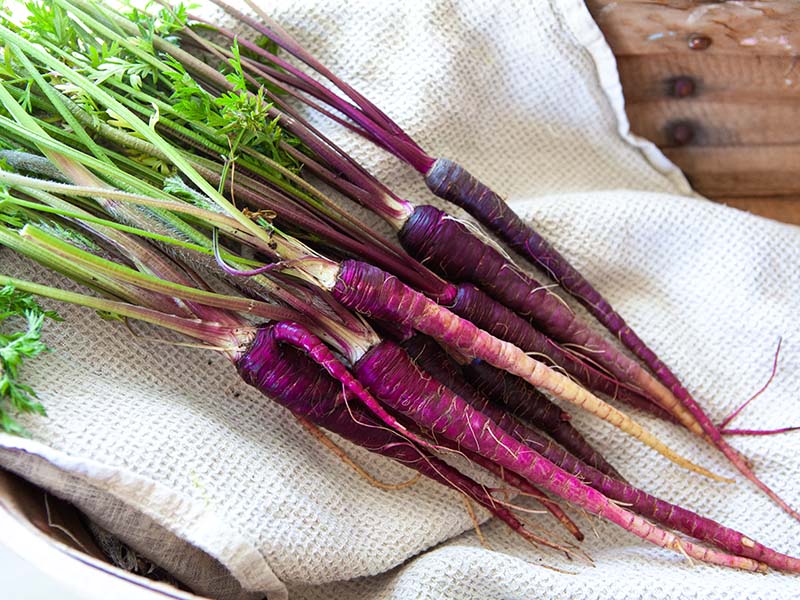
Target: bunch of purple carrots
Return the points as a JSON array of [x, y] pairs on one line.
[[168, 165]]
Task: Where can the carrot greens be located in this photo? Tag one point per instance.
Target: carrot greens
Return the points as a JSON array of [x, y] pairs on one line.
[[21, 322]]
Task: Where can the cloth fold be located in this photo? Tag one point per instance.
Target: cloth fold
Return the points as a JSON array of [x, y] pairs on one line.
[[168, 449]]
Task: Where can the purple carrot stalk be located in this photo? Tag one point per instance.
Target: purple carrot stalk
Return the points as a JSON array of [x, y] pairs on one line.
[[288, 376], [376, 294], [534, 405]]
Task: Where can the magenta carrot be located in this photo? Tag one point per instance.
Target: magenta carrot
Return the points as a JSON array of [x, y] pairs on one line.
[[288, 376], [445, 244], [452, 182], [446, 415], [375, 293], [387, 368], [475, 306], [534, 406]]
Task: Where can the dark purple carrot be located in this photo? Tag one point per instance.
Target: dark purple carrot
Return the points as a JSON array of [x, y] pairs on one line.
[[521, 485], [383, 254], [385, 370], [390, 374], [450, 248], [453, 183], [243, 345], [524, 400], [472, 304], [376, 294], [288, 376]]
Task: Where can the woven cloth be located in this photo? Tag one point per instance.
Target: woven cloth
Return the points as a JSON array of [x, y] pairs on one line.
[[167, 448]]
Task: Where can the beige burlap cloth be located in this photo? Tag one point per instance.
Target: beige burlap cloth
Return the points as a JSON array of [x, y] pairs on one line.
[[166, 447]]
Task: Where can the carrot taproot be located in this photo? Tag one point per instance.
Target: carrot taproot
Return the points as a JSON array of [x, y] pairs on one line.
[[531, 406], [374, 293]]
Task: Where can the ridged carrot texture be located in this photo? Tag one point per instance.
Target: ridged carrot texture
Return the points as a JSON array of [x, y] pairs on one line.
[[325, 274], [374, 293], [291, 209], [387, 369], [533, 406], [417, 224], [275, 365]]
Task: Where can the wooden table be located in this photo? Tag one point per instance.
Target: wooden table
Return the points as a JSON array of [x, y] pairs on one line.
[[716, 85]]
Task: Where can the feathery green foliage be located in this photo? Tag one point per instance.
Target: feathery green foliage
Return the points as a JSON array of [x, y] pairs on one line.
[[21, 322]]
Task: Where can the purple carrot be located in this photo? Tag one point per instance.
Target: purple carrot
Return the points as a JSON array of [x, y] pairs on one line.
[[288, 376], [536, 408], [390, 374], [472, 304], [361, 183], [429, 404], [450, 248], [450, 181], [520, 484], [376, 294]]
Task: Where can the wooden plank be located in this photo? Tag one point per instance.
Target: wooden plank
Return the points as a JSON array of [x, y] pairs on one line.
[[712, 123], [743, 171], [669, 26], [745, 79], [726, 112], [786, 210]]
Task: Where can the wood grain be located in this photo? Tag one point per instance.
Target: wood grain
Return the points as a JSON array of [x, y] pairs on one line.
[[747, 80], [665, 26], [717, 123], [740, 171], [728, 114]]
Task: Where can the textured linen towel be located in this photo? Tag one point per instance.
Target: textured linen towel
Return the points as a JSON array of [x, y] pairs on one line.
[[167, 448]]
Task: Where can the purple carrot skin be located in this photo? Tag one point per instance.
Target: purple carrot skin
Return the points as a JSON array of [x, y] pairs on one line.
[[290, 377], [527, 404], [646, 505], [504, 475], [376, 294], [448, 247], [300, 337], [520, 484], [430, 356], [451, 182], [472, 304], [445, 178], [434, 362], [392, 378]]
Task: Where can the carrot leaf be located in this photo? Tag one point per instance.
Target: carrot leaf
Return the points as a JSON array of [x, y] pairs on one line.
[[21, 321]]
